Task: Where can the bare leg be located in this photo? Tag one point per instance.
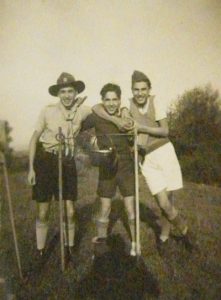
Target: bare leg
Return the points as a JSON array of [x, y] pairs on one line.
[[171, 212], [129, 205], [165, 224], [103, 217]]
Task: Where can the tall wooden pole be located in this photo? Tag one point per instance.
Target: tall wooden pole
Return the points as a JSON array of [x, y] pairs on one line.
[[60, 187], [137, 207], [11, 215]]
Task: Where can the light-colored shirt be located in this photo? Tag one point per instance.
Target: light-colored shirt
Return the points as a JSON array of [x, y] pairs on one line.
[[160, 112], [149, 116], [56, 115]]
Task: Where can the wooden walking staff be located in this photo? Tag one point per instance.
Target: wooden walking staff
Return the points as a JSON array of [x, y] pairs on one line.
[[60, 188], [8, 193], [137, 207]]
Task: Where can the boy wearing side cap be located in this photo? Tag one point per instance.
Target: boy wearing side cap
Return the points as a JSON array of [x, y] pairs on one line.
[[67, 114], [160, 166]]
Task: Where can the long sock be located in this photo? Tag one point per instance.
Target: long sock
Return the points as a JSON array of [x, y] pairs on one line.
[[165, 228], [102, 228], [132, 226], [69, 234], [41, 234]]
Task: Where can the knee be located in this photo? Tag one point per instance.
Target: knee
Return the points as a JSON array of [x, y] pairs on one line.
[[167, 207], [130, 209], [105, 212], [130, 212], [70, 213], [43, 215]]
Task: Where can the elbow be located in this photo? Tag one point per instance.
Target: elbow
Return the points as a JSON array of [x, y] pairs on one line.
[[166, 132], [34, 139]]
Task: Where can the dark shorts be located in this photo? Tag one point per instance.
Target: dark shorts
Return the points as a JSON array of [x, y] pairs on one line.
[[46, 170], [122, 176]]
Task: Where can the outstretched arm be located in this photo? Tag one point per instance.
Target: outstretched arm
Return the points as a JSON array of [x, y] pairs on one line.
[[161, 131]]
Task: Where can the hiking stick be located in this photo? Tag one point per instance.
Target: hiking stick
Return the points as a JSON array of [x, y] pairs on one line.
[[138, 249], [60, 188], [11, 215]]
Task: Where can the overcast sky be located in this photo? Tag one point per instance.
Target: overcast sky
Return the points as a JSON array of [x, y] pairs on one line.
[[177, 43]]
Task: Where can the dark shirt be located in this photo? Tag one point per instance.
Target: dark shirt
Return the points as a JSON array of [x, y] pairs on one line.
[[105, 131]]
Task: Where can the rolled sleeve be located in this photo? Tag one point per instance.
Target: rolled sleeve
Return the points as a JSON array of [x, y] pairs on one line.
[[40, 124], [160, 111]]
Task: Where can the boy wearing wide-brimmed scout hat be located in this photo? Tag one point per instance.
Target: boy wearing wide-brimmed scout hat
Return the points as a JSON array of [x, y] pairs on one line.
[[68, 115]]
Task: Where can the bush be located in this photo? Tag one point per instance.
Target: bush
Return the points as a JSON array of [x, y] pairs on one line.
[[195, 127]]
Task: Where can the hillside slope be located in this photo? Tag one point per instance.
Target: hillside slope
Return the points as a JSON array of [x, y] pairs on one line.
[[177, 274]]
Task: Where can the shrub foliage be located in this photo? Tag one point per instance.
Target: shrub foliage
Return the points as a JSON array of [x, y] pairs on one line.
[[195, 127]]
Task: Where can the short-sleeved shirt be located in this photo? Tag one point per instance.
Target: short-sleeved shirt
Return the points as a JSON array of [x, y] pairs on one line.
[[122, 175], [56, 115]]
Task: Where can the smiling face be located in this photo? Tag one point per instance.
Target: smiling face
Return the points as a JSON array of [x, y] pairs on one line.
[[111, 102], [140, 91], [67, 96]]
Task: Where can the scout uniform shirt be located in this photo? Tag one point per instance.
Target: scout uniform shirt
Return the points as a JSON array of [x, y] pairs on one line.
[[56, 115]]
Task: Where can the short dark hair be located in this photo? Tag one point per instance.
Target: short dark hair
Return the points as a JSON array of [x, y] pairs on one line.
[[110, 87]]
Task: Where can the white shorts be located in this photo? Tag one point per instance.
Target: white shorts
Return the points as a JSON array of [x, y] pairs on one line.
[[161, 170]]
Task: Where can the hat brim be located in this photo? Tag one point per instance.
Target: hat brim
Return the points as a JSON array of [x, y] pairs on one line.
[[78, 85]]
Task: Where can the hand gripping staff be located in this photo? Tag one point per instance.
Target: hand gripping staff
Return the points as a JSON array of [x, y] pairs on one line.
[[61, 138]]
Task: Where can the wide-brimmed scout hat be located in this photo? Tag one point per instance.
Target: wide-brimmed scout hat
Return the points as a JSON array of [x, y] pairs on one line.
[[66, 79]]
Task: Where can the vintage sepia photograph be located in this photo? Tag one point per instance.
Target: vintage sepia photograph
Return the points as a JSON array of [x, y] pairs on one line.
[[110, 150]]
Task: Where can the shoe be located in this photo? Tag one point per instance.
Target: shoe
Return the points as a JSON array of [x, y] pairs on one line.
[[133, 249], [98, 240], [162, 247], [71, 257], [100, 246], [188, 242], [71, 250], [41, 252]]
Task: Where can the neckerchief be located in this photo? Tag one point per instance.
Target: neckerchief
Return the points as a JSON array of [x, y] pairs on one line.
[[69, 116]]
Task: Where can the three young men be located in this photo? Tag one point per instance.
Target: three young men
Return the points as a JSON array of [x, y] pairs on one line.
[[160, 166]]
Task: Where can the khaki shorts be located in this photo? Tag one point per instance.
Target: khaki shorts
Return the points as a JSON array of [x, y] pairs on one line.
[[46, 169], [161, 170]]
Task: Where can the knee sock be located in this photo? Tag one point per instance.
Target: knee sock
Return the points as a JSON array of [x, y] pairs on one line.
[[41, 234], [69, 234], [132, 226], [102, 228], [165, 228]]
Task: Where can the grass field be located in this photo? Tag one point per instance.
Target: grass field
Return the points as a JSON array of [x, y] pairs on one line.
[[177, 274]]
